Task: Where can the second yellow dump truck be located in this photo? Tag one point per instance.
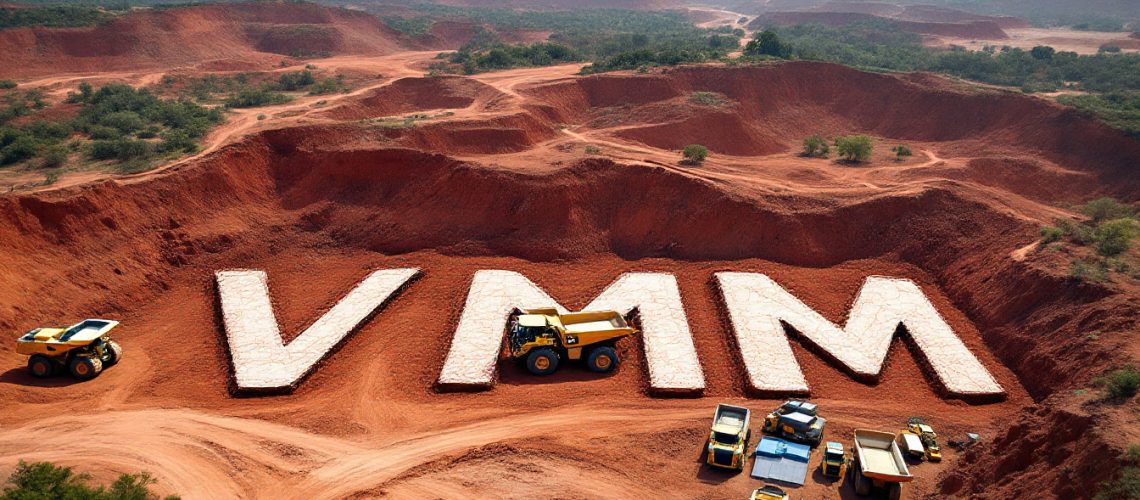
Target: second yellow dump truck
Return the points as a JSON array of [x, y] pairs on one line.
[[542, 338], [83, 349]]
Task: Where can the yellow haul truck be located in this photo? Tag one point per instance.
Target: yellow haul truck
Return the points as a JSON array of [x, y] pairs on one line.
[[83, 349], [728, 439], [543, 337], [878, 463], [928, 436]]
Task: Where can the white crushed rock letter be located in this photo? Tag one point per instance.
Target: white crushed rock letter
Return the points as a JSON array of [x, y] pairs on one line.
[[757, 305], [261, 361], [669, 350]]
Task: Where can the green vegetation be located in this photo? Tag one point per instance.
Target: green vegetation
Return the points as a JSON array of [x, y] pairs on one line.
[[612, 39], [411, 26], [767, 43], [1119, 109], [1121, 383], [816, 147], [902, 151], [593, 150], [118, 122], [879, 44], [708, 99], [1049, 234], [7, 84], [470, 60], [694, 154], [1126, 487], [44, 480], [854, 148], [244, 90], [55, 16], [1110, 231]]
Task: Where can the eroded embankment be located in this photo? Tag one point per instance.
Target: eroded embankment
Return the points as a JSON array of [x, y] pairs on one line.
[[107, 247]]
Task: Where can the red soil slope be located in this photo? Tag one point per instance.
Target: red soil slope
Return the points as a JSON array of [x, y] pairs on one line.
[[319, 206], [252, 33]]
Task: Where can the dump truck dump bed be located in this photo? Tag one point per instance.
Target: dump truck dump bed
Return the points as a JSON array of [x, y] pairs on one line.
[[592, 322], [879, 456]]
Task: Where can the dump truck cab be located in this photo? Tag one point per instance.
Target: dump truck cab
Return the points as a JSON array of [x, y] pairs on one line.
[[834, 462], [727, 446], [796, 421], [84, 349], [543, 338]]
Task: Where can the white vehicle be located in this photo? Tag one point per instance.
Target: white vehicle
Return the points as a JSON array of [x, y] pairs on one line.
[[911, 444], [879, 463]]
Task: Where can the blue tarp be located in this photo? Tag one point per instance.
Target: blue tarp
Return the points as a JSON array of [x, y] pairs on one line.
[[779, 460]]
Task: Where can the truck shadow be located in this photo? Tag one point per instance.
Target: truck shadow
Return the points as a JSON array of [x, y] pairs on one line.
[[20, 376], [512, 373], [713, 475]]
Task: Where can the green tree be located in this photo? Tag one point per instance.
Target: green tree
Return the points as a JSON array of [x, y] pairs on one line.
[[816, 147], [44, 481], [767, 43], [1102, 209], [695, 154], [1042, 52], [854, 148]]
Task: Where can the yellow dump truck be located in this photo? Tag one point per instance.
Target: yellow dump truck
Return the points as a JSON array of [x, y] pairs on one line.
[[83, 349], [727, 446], [542, 338], [769, 493], [878, 463]]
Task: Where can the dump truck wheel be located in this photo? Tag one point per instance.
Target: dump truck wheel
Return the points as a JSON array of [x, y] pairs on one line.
[[602, 360], [85, 368], [542, 361], [116, 352], [41, 366], [894, 491], [862, 484]]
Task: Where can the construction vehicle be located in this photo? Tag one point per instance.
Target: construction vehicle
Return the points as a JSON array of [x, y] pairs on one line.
[[911, 445], [878, 463], [542, 338], [796, 421], [83, 349], [729, 436], [769, 493], [928, 436], [834, 463]]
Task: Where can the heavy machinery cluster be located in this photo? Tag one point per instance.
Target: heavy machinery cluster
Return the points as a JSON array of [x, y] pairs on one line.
[[878, 459]]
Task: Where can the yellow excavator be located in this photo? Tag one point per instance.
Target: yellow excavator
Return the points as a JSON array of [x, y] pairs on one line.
[[542, 338], [928, 437]]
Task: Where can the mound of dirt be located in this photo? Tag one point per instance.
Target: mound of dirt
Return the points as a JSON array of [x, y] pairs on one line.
[[408, 95], [182, 36]]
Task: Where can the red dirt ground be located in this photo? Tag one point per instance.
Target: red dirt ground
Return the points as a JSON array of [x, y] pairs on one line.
[[251, 35], [320, 196]]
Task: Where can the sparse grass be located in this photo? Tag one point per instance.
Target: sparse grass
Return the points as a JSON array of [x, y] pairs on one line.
[[1125, 487], [1094, 271], [593, 150]]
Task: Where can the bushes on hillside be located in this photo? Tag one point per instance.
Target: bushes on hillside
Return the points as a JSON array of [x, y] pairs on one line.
[[694, 154], [854, 148], [816, 147]]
